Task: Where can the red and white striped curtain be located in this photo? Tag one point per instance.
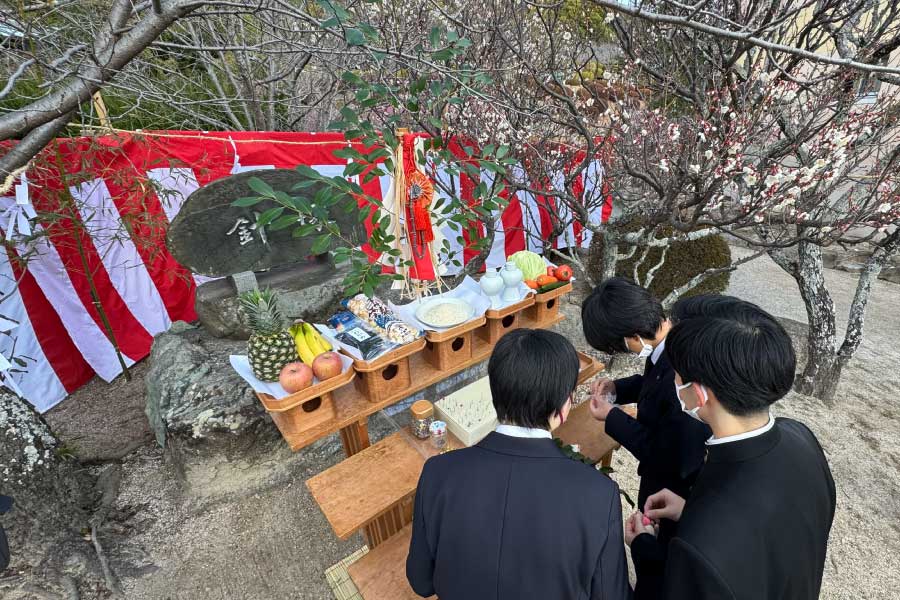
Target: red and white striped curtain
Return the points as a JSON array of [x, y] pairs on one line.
[[127, 188]]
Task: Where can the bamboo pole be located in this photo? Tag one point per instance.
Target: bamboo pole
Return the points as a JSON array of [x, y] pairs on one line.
[[95, 295], [102, 113]]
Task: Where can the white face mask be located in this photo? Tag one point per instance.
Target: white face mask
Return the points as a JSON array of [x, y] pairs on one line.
[[646, 349], [692, 412]]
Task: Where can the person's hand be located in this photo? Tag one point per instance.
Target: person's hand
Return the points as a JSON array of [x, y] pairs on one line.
[[638, 524], [599, 404], [600, 407], [664, 504], [602, 388]]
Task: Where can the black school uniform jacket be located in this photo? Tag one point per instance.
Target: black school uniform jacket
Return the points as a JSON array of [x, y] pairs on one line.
[[668, 443], [514, 519], [756, 524]]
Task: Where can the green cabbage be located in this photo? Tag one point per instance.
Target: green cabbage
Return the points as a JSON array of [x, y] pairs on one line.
[[531, 264]]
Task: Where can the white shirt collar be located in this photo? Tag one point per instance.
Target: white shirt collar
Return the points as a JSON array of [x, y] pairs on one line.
[[713, 441], [523, 432], [657, 352]]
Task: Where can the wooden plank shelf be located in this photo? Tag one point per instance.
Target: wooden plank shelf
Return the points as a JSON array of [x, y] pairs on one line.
[[351, 406], [383, 477], [381, 573], [583, 429], [367, 485]]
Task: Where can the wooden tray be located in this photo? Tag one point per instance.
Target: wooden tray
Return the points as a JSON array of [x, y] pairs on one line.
[[546, 306], [512, 308], [454, 332], [446, 350], [275, 405], [393, 356], [386, 374], [588, 367], [545, 297], [502, 321]]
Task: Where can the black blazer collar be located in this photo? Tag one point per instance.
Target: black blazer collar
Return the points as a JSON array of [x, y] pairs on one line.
[[661, 365], [743, 450], [516, 446]]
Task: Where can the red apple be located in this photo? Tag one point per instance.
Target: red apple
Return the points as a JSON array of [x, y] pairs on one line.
[[327, 365], [295, 376]]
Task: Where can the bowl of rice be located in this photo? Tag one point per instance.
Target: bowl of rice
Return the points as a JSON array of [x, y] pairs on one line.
[[444, 312]]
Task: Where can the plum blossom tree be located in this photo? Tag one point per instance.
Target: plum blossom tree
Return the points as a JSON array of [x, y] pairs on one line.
[[710, 118]]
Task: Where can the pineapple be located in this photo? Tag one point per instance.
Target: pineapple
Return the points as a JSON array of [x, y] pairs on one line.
[[270, 346]]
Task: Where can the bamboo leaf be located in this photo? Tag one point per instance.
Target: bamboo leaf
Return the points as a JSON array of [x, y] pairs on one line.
[[269, 215], [284, 222], [321, 244], [248, 201], [261, 187]]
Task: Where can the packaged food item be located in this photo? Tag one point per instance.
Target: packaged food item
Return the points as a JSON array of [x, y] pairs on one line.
[[380, 316], [354, 332]]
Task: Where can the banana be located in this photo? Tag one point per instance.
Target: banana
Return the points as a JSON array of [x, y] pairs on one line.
[[311, 340], [322, 340], [303, 349]]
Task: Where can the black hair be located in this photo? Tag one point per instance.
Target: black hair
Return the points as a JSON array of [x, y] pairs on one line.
[[532, 372], [717, 305], [734, 348], [616, 309]]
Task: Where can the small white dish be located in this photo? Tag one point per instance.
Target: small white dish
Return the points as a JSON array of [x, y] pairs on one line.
[[428, 305]]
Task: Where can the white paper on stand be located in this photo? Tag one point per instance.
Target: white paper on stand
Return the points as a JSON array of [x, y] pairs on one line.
[[524, 292], [241, 365], [468, 290]]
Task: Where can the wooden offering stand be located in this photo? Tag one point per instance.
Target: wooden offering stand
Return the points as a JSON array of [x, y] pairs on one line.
[[503, 320], [546, 306], [307, 408], [452, 347], [379, 378]]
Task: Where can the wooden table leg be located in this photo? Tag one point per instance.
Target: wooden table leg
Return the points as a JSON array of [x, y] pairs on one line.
[[355, 437], [384, 527], [606, 461]]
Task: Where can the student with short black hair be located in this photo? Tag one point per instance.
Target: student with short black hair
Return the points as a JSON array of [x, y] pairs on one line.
[[619, 316], [756, 524], [513, 518]]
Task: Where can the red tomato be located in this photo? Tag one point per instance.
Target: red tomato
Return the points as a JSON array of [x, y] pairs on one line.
[[551, 271], [563, 273]]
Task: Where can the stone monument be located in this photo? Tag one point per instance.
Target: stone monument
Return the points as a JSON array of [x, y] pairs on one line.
[[212, 237]]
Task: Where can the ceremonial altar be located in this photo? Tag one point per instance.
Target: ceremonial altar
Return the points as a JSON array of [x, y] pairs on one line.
[[372, 490]]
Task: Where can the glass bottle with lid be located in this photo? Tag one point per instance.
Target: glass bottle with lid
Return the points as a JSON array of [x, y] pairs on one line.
[[422, 417]]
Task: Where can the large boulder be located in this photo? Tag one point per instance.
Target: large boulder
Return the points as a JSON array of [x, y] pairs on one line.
[[52, 495], [192, 389], [311, 291]]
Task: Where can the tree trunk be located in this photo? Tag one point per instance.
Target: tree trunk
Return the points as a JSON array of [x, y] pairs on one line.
[[603, 255], [819, 376], [50, 493]]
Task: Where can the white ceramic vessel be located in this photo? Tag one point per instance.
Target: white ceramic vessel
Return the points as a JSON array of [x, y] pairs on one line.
[[512, 277], [492, 284]]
